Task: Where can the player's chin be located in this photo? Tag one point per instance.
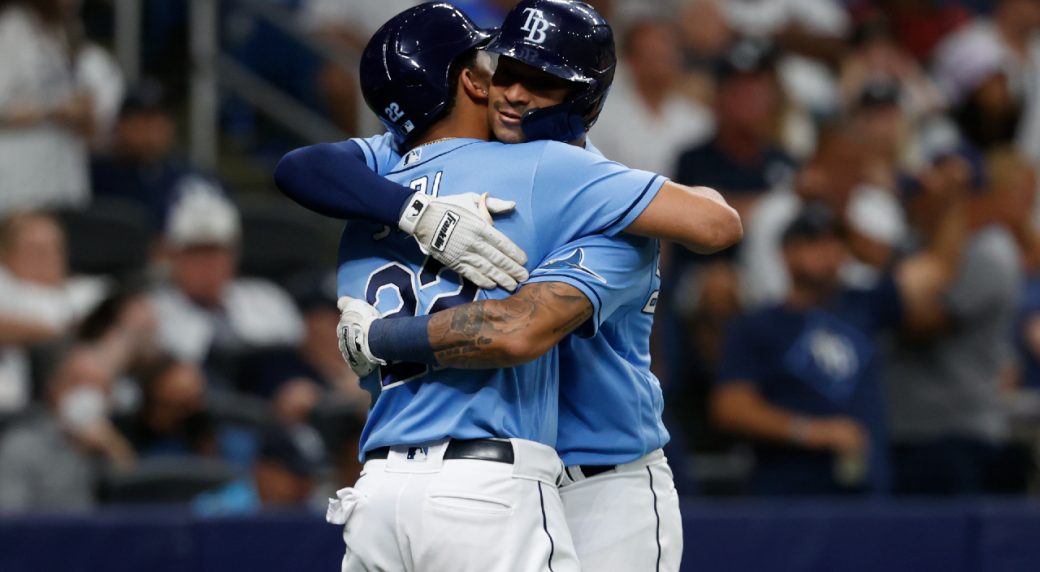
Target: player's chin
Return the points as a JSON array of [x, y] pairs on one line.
[[507, 133]]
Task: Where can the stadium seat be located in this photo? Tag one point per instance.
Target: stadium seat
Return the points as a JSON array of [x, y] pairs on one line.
[[164, 480], [234, 408], [280, 240], [109, 237]]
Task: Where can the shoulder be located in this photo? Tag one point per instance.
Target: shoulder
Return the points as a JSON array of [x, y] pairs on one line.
[[15, 20], [556, 152], [994, 248], [257, 291], [27, 436]]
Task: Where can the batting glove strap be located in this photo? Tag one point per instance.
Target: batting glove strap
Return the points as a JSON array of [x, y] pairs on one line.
[[417, 205]]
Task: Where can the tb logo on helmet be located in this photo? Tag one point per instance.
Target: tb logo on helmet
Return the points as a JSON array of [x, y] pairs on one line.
[[535, 25]]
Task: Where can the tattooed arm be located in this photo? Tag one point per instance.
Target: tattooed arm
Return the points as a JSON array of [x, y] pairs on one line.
[[508, 332], [478, 335]]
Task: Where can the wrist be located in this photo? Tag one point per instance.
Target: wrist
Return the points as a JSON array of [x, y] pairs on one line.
[[799, 431], [414, 208], [401, 339]]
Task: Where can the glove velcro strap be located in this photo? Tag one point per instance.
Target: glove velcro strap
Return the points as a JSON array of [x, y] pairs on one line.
[[414, 210]]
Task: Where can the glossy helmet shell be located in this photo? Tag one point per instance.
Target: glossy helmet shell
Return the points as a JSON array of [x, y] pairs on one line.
[[406, 66]]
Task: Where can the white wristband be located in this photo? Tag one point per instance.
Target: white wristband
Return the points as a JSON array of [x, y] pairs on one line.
[[417, 204]]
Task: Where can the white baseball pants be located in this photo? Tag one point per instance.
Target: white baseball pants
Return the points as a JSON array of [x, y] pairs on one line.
[[421, 513], [626, 520]]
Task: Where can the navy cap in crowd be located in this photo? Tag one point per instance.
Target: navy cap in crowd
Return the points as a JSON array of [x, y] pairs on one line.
[[879, 93], [147, 96], [278, 446], [745, 57], [815, 221]]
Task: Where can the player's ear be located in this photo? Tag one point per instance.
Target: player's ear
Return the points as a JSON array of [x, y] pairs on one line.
[[474, 85], [476, 78]]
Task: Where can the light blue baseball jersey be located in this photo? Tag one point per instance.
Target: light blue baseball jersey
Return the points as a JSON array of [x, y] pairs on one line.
[[610, 403], [554, 185], [380, 152]]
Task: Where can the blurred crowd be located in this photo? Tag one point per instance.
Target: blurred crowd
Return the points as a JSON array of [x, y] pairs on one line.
[[165, 339]]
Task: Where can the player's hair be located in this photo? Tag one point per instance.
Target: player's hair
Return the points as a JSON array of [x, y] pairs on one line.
[[467, 60]]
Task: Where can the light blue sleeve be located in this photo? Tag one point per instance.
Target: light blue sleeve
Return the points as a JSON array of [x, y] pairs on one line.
[[589, 194], [380, 152], [611, 272]]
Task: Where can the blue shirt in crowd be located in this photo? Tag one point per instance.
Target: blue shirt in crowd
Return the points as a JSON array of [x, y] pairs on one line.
[[819, 362]]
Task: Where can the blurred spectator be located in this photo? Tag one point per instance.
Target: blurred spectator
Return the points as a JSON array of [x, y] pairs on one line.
[[316, 362], [50, 460], [346, 25], [207, 315], [800, 377], [172, 419], [46, 117], [705, 35], [708, 298], [38, 301], [947, 422], [140, 166], [646, 122], [741, 161], [283, 477], [878, 115], [871, 217], [809, 33], [919, 25], [876, 59], [991, 71]]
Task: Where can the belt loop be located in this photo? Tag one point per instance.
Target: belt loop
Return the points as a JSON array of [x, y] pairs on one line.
[[536, 461]]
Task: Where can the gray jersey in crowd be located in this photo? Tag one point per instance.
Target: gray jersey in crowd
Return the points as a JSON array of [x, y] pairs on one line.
[[949, 386], [41, 469]]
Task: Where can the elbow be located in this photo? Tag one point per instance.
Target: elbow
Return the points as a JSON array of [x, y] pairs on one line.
[[723, 232], [520, 348], [731, 229]]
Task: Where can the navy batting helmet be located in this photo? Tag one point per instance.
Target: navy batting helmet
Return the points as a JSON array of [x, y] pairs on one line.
[[406, 66], [569, 40]]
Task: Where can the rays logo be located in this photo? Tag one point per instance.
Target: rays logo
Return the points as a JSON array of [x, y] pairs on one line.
[[573, 261], [535, 25]]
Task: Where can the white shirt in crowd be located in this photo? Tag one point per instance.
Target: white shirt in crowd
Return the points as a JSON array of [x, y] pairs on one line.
[[43, 165], [872, 211], [258, 313], [629, 132], [807, 81], [966, 54], [54, 307]]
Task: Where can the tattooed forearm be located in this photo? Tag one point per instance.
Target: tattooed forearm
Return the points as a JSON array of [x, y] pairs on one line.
[[504, 333]]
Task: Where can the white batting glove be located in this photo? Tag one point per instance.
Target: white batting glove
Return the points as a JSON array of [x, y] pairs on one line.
[[355, 318], [457, 231]]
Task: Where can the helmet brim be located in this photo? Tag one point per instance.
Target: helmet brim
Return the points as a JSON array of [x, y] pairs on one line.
[[538, 58]]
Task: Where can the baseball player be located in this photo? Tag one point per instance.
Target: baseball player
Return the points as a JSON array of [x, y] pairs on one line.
[[620, 436], [611, 540], [429, 442], [618, 493]]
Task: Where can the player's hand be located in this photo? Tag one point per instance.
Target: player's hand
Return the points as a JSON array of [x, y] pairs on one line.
[[842, 435], [355, 319], [457, 231]]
